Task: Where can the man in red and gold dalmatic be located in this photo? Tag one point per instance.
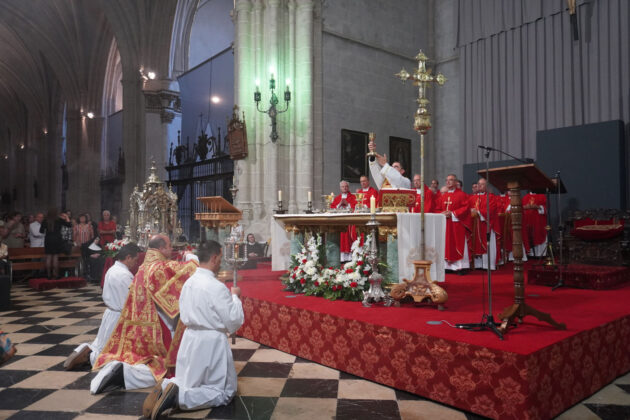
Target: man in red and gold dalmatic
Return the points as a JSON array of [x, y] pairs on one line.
[[534, 222], [367, 192], [429, 202], [345, 201], [453, 203], [143, 346], [479, 215]]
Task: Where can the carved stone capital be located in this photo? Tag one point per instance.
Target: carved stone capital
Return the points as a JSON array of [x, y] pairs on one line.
[[164, 102]]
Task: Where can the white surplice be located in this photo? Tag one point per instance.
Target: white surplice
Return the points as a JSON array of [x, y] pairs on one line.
[[395, 178], [205, 372], [115, 290]]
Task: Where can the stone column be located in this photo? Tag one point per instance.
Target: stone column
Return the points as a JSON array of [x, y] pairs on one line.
[[133, 138]]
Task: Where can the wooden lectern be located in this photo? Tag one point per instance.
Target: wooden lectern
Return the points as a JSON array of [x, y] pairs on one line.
[[514, 179], [221, 213]]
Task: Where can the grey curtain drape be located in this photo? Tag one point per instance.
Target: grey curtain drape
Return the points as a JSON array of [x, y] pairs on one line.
[[521, 70]]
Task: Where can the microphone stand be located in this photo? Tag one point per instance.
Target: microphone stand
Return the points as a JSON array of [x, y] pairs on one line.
[[560, 233], [487, 320]]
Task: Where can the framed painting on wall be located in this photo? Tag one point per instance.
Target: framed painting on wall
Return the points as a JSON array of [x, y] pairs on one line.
[[353, 150], [400, 151]]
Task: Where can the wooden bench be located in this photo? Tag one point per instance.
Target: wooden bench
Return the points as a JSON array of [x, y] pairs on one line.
[[29, 259]]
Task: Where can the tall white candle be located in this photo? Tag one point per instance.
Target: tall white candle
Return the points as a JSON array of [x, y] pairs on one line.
[[310, 197], [279, 195], [372, 204]]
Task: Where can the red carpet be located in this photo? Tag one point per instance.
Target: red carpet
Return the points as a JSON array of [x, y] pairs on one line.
[[582, 276], [60, 283], [537, 372]]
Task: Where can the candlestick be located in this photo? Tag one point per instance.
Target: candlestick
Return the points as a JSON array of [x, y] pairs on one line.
[[372, 205]]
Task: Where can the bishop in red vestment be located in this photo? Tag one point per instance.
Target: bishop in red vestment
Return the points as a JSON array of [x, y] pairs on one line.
[[429, 202], [367, 192], [346, 201], [454, 205], [143, 346], [534, 222], [478, 203]]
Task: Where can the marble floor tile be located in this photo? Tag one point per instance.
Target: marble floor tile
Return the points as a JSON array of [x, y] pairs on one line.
[[61, 321], [34, 363], [119, 402], [74, 329], [58, 350], [53, 314], [610, 394], [50, 338], [364, 409], [195, 414], [427, 410], [305, 408], [66, 400], [310, 388], [9, 378], [5, 414], [245, 408], [78, 339], [242, 354], [238, 366], [578, 412], [312, 371], [92, 416], [610, 411], [260, 387], [364, 390], [268, 370], [49, 380], [18, 338], [243, 343], [272, 355], [17, 399]]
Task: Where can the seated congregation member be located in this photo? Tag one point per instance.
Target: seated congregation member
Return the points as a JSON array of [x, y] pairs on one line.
[[117, 281], [453, 204], [143, 346], [534, 223], [254, 249], [428, 197], [347, 201], [479, 214], [367, 191], [204, 373], [384, 175]]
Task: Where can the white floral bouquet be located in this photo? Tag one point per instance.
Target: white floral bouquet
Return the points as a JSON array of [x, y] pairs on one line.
[[111, 249], [305, 266]]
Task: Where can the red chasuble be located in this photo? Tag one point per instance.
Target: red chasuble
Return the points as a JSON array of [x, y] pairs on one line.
[[478, 227], [140, 337], [534, 223], [456, 232], [429, 201], [346, 238]]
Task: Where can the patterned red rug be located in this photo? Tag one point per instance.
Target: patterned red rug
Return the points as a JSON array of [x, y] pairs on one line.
[[580, 276], [537, 372], [61, 283]]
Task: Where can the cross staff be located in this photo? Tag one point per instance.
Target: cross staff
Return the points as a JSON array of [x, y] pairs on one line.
[[422, 120]]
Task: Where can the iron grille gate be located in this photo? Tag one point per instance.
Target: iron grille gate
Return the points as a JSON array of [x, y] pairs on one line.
[[210, 177]]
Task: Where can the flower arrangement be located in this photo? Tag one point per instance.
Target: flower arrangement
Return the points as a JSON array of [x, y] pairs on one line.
[[111, 249], [308, 276], [305, 266]]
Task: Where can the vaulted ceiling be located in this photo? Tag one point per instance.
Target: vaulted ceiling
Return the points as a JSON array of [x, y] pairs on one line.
[[50, 50]]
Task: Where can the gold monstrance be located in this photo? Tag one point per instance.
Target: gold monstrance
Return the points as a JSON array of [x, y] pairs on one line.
[[421, 78]]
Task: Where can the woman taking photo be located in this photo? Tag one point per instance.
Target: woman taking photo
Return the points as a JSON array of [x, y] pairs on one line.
[[53, 242]]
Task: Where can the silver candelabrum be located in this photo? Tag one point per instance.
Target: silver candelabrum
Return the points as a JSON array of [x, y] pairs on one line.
[[375, 293], [235, 255]]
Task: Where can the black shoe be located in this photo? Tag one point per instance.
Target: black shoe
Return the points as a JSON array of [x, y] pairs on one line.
[[167, 400], [113, 380]]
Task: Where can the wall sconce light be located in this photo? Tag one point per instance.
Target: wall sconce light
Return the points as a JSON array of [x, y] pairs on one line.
[[21, 146], [151, 75], [45, 131], [272, 111], [215, 99], [90, 115], [5, 157]]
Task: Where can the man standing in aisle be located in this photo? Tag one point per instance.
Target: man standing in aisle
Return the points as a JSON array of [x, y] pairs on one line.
[[205, 374]]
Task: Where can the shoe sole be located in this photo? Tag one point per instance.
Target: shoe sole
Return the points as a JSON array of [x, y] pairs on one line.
[[164, 402]]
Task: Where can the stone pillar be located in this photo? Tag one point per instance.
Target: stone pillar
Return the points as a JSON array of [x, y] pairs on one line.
[[133, 139]]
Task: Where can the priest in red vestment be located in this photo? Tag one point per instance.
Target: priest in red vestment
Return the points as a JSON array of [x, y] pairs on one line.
[[367, 191], [453, 203], [534, 222], [345, 201], [143, 346], [478, 203], [429, 202]]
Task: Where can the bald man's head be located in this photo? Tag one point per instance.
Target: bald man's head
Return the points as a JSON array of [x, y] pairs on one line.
[[161, 243]]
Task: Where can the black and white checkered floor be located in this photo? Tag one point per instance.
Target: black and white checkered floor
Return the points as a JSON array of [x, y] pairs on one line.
[[272, 385]]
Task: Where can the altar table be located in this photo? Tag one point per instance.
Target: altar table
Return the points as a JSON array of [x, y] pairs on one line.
[[402, 228]]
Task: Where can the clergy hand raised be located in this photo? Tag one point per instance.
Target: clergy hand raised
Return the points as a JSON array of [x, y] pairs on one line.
[[236, 291]]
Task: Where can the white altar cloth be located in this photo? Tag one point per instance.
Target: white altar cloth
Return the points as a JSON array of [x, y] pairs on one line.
[[408, 226]]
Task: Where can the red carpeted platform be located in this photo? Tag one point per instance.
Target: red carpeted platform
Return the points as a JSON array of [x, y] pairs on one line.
[[582, 276], [536, 373], [60, 283]]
